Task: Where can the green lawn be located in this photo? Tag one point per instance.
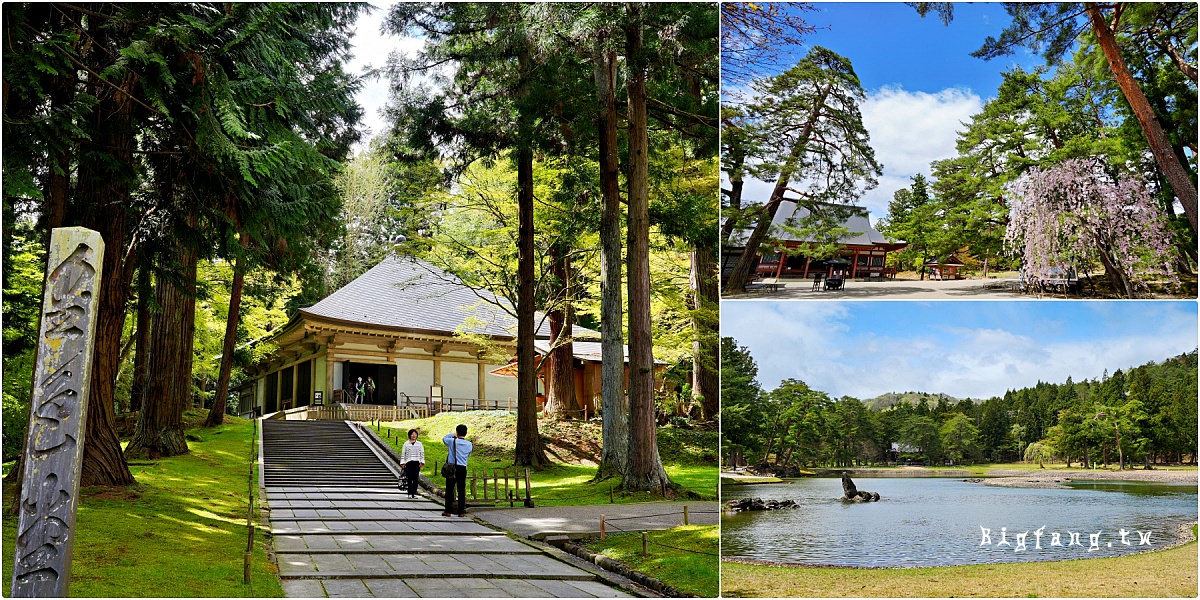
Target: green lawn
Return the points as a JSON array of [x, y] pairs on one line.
[[181, 531], [684, 557], [493, 433], [1168, 573]]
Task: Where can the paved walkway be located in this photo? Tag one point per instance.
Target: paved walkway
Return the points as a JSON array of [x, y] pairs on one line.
[[582, 521], [375, 542], [990, 289]]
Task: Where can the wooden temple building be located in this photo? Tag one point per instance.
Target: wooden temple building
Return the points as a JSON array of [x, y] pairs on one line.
[[422, 335], [863, 251]]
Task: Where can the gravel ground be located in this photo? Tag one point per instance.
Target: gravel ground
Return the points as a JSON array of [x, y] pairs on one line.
[[1159, 475]]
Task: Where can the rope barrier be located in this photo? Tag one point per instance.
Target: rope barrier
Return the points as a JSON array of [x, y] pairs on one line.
[[667, 545], [645, 516]]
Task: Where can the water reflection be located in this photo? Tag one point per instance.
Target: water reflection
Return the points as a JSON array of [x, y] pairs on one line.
[[928, 522]]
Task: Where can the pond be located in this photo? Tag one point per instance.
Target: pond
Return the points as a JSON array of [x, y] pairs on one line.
[[936, 522]]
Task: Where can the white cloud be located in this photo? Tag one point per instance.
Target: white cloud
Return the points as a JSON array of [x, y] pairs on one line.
[[371, 50], [908, 131], [824, 345]]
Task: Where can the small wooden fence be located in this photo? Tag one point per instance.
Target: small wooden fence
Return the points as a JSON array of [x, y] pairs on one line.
[[478, 481]]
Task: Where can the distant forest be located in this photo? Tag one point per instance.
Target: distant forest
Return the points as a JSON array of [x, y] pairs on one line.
[[1146, 416]]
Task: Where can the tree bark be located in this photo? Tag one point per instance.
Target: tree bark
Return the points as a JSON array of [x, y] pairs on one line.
[[105, 196], [160, 427], [216, 415], [141, 352], [645, 467], [560, 397], [706, 381], [529, 451], [1160, 146], [614, 457]]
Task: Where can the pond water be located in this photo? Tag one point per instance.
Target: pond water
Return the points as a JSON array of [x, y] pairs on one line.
[[935, 522]]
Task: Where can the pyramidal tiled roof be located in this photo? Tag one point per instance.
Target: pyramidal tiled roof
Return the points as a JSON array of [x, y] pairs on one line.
[[856, 221], [409, 293]]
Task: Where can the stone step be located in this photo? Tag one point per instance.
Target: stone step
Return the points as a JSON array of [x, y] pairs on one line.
[[386, 542], [400, 527], [418, 566]]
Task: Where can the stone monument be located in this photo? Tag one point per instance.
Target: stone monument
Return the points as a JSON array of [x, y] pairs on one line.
[[58, 414]]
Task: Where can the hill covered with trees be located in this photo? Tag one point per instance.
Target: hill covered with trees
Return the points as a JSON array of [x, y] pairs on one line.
[[1145, 414]]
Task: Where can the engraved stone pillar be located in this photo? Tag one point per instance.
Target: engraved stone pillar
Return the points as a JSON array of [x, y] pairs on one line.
[[58, 414]]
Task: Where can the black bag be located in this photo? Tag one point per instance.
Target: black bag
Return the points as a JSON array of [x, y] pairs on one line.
[[448, 468]]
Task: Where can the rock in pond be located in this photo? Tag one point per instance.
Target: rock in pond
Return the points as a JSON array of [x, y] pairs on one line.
[[759, 504], [851, 493]]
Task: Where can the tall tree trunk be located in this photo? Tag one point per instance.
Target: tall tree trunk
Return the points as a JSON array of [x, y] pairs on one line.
[[706, 380], [645, 467], [614, 457], [216, 415], [529, 451], [741, 272], [1160, 146], [104, 194], [141, 353], [560, 397], [160, 427]]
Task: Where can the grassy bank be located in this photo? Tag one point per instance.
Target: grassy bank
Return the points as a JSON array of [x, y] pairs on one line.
[[180, 531], [573, 448], [1167, 573], [683, 557]]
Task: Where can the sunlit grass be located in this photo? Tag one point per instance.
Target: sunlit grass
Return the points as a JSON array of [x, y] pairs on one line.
[[684, 557], [493, 434], [181, 531], [1168, 573]]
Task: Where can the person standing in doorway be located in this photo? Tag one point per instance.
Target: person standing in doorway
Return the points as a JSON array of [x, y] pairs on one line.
[[359, 390], [458, 450], [370, 390], [412, 456]]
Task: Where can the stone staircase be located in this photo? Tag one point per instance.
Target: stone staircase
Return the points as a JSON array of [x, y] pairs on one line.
[[320, 454], [340, 527]]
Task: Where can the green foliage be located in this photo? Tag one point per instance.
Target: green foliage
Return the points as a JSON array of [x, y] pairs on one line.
[[18, 375], [1146, 415]]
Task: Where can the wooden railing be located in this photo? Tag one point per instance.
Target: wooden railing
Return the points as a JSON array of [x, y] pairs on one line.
[[388, 412]]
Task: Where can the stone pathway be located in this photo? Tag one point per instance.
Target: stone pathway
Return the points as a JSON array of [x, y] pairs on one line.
[[371, 542]]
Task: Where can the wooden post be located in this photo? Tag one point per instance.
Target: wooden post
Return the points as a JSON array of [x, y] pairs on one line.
[[602, 527], [610, 494], [474, 476], [57, 414], [495, 485], [485, 490], [245, 567], [528, 499], [685, 515], [645, 544]]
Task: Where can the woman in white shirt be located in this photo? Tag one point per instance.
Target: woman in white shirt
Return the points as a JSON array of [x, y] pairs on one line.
[[412, 456]]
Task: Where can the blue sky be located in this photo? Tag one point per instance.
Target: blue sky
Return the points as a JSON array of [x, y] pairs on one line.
[[962, 348], [920, 79]]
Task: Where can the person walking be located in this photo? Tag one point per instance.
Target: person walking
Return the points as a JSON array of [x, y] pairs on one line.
[[359, 390], [459, 449], [412, 456], [370, 390]]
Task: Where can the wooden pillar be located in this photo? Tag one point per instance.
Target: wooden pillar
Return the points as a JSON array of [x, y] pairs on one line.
[[482, 391], [782, 259], [854, 263]]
